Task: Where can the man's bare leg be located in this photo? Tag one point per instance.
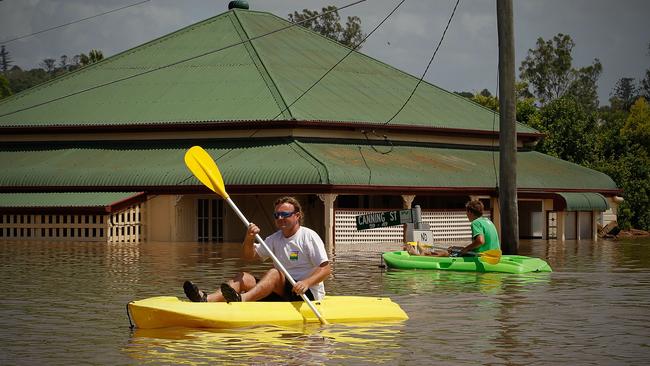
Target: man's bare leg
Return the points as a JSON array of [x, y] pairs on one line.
[[243, 281], [272, 281]]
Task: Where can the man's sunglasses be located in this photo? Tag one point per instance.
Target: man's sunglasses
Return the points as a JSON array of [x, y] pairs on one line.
[[283, 214]]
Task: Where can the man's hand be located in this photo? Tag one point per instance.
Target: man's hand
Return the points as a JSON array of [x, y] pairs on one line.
[[300, 287], [252, 230], [455, 251]]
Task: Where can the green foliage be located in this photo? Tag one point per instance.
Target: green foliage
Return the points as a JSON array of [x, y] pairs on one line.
[[631, 172], [92, 57], [20, 79], [525, 107], [608, 142], [584, 86], [614, 140], [624, 94], [527, 111], [622, 151], [636, 130], [568, 130], [330, 26], [5, 90], [486, 99], [5, 59], [549, 70]]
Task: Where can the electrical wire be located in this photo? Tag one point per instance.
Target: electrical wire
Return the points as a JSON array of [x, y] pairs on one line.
[[73, 22], [428, 65], [366, 163], [341, 60], [416, 85]]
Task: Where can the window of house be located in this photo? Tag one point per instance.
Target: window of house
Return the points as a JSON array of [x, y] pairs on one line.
[[210, 220]]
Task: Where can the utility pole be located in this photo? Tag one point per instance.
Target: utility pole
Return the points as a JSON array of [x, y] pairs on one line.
[[507, 130]]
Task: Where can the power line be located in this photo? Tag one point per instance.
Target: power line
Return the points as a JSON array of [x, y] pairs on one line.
[[427, 69], [174, 63], [73, 22], [341, 60]]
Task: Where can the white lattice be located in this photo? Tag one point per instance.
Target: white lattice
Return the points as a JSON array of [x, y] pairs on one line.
[[345, 230], [447, 226]]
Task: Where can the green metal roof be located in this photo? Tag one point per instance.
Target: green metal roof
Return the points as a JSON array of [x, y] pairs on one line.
[[584, 201], [283, 161], [63, 199], [253, 81]]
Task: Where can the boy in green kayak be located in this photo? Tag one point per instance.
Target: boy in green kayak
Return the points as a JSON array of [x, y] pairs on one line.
[[300, 251], [484, 236]]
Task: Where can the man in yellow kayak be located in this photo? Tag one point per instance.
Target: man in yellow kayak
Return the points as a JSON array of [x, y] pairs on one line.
[[484, 236], [299, 249]]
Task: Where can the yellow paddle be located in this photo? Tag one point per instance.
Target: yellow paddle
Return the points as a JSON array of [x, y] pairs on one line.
[[492, 256], [200, 163]]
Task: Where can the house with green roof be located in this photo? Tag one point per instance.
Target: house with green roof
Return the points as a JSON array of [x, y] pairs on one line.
[[102, 147]]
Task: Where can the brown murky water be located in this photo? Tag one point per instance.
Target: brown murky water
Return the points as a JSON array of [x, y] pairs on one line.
[[64, 303]]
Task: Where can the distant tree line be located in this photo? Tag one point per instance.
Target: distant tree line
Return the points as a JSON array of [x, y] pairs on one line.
[[561, 101], [14, 79]]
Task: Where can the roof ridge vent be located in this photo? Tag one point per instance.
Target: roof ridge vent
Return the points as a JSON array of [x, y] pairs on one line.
[[238, 4]]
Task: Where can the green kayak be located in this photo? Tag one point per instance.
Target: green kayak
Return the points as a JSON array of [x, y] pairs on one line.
[[507, 264]]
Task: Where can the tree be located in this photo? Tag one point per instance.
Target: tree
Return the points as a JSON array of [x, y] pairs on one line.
[[549, 70], [624, 94], [63, 62], [568, 130], [631, 172], [636, 130], [5, 60], [5, 90], [92, 57], [645, 82], [645, 85], [49, 64], [584, 87], [330, 26], [20, 80], [486, 99]]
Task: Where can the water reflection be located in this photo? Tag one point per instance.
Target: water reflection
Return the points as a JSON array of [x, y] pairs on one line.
[[268, 344], [441, 282]]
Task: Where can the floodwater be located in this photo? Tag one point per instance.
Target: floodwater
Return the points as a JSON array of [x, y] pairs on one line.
[[65, 303]]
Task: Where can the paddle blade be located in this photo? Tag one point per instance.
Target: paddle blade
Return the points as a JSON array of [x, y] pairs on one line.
[[200, 163], [492, 256]]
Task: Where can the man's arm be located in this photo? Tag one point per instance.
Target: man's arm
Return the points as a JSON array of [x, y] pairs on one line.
[[476, 242], [319, 274], [249, 253]]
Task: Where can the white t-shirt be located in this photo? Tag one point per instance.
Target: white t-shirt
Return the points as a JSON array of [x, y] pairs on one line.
[[299, 254]]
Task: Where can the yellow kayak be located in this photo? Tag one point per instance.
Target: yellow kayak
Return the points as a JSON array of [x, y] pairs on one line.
[[170, 311]]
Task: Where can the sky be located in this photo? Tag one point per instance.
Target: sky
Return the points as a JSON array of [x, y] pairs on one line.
[[617, 32]]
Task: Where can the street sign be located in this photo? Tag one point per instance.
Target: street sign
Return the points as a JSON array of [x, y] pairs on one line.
[[423, 236], [383, 219]]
